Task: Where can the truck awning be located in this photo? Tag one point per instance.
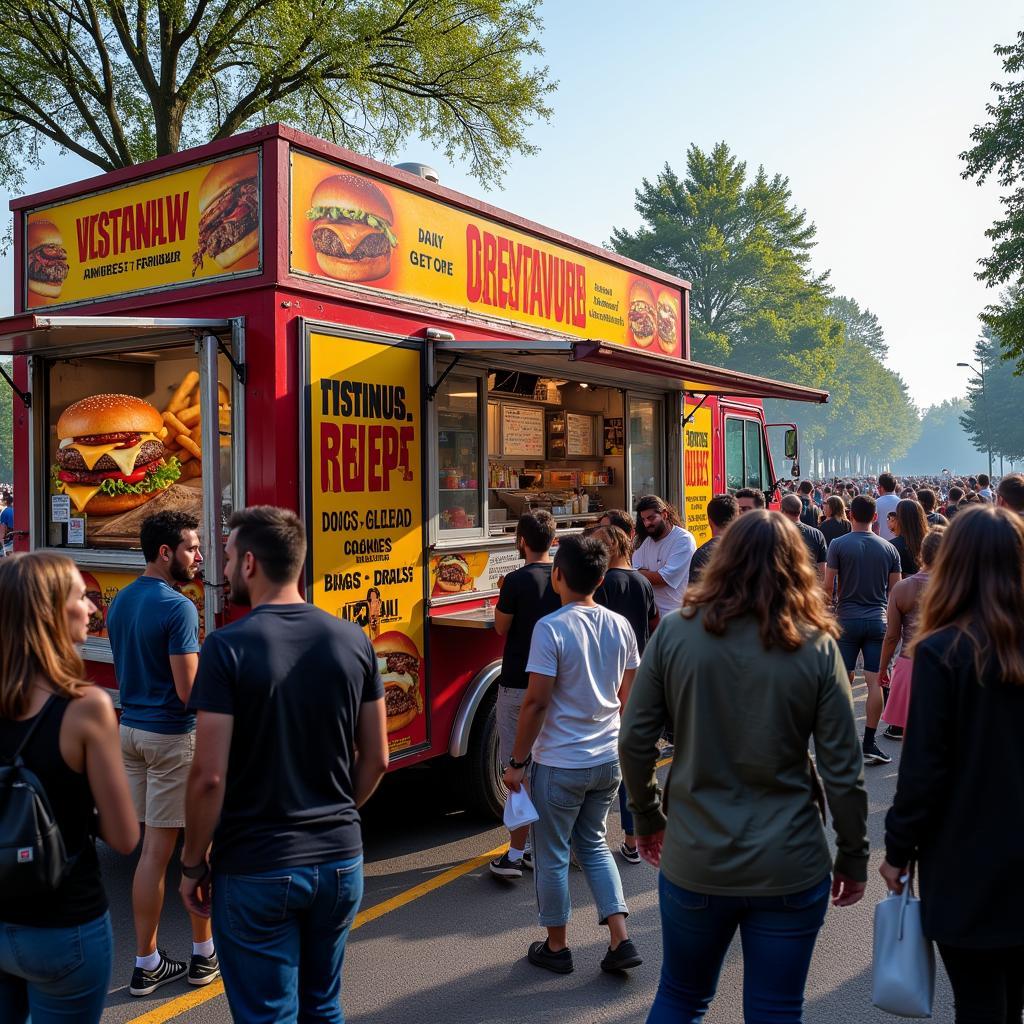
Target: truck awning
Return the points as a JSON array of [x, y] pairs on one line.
[[616, 363], [32, 334]]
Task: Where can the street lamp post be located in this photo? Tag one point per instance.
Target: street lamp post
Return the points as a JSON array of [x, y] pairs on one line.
[[984, 399]]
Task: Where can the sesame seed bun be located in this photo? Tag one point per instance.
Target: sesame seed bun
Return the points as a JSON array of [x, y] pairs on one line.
[[109, 414], [352, 192]]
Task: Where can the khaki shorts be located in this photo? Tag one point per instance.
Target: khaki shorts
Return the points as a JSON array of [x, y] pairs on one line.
[[157, 767], [510, 702]]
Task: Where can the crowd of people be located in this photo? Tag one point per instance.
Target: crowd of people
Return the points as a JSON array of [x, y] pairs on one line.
[[262, 743]]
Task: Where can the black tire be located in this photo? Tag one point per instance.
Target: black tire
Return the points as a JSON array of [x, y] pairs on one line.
[[480, 771]]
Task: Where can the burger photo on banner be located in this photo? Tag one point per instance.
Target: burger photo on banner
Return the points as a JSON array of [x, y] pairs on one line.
[[457, 572], [668, 321], [401, 672], [110, 458], [351, 228], [642, 322], [229, 214], [47, 262]]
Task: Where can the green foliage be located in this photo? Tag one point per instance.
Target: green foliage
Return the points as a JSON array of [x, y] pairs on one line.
[[992, 416], [943, 444], [999, 150], [119, 83], [757, 306], [6, 428]]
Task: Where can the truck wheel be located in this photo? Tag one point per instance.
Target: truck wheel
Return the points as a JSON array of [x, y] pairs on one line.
[[480, 769]]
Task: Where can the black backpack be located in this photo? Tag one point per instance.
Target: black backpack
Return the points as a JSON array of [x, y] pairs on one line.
[[32, 855], [809, 512]]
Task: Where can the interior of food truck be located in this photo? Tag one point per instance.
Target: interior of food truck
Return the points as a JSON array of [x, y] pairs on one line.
[[512, 439]]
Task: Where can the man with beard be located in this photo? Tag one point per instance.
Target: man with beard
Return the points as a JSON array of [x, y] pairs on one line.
[[288, 747], [154, 637], [664, 557]]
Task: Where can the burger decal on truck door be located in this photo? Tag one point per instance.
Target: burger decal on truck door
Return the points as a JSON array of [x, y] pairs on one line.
[[399, 663]]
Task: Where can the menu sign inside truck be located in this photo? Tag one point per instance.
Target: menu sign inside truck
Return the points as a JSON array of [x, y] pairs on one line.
[[351, 228], [193, 224], [364, 495]]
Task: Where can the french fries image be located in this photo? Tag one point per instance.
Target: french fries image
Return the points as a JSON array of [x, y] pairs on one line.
[[182, 430]]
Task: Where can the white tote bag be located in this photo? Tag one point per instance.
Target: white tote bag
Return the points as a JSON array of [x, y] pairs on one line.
[[903, 964]]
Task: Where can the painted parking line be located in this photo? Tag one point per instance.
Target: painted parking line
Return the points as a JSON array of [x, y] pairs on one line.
[[190, 1000]]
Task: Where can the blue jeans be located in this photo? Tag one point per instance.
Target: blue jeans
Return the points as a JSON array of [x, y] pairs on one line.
[[280, 938], [573, 805], [778, 934], [55, 974]]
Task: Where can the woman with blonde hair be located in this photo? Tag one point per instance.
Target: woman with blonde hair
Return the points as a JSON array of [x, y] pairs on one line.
[[56, 947], [747, 671], [836, 522], [960, 795]]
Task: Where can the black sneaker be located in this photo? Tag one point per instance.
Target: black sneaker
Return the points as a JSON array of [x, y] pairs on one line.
[[872, 755], [145, 982], [527, 860], [203, 969], [560, 962], [894, 732], [505, 867], [623, 958], [630, 854]]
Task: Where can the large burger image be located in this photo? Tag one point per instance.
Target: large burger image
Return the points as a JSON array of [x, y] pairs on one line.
[[110, 459], [641, 314], [399, 664], [352, 232], [453, 574], [668, 321], [47, 259], [229, 208]]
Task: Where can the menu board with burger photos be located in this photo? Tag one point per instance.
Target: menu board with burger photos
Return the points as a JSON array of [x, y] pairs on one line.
[[348, 227], [364, 500], [189, 225], [124, 441], [102, 586]]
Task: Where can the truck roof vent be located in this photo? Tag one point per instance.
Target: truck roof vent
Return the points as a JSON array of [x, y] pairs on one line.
[[421, 171]]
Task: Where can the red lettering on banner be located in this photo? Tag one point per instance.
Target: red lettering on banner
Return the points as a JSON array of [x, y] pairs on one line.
[[473, 250], [330, 458]]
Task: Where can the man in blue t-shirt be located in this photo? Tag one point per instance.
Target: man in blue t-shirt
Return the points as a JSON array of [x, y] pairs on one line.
[[291, 742], [7, 525], [154, 637]]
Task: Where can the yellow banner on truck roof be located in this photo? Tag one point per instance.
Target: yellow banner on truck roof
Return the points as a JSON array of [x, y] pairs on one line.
[[350, 227], [190, 225]]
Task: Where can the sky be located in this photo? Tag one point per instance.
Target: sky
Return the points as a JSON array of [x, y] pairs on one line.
[[865, 108]]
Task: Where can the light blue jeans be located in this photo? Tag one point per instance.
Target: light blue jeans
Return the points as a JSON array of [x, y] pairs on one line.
[[58, 975], [573, 805]]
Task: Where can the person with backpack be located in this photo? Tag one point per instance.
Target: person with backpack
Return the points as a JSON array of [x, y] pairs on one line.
[[60, 762], [809, 512]]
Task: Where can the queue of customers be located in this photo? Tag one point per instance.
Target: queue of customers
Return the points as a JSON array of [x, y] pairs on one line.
[[612, 646]]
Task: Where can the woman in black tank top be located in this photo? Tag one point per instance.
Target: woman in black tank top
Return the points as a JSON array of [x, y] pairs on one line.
[[56, 948]]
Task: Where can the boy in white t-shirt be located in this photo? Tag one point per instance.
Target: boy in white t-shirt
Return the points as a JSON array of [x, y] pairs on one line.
[[582, 662]]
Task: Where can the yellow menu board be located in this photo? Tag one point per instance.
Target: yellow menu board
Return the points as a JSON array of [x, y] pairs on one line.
[[697, 482], [349, 227], [365, 501], [192, 224]]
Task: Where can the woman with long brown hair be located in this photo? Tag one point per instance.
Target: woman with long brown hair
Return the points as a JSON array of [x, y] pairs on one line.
[[909, 525], [836, 522], [747, 671], [56, 947], [960, 796]]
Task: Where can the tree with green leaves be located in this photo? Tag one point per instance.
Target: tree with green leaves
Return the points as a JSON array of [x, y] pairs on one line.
[[117, 83], [998, 151], [860, 325], [992, 416], [740, 241]]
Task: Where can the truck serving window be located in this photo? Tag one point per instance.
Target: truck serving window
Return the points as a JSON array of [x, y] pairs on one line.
[[458, 455]]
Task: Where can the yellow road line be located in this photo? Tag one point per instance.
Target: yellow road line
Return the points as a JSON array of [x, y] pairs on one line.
[[182, 1004]]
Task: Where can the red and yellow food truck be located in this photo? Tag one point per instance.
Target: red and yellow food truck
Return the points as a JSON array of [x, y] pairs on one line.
[[272, 319]]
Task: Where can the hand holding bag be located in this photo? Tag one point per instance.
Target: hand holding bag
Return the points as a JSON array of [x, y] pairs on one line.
[[903, 964], [519, 809]]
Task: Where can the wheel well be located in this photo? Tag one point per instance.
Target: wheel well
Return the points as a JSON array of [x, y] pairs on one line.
[[483, 682]]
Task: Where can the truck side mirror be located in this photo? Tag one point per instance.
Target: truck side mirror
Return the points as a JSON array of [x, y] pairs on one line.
[[792, 445]]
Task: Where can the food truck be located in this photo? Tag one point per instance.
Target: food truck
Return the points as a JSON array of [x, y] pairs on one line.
[[272, 319]]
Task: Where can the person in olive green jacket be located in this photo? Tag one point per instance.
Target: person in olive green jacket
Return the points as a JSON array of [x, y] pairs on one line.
[[746, 672]]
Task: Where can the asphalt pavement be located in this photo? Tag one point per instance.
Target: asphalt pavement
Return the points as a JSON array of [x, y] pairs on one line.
[[442, 941]]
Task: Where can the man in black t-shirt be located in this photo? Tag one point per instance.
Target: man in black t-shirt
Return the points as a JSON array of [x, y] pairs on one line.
[[526, 597], [722, 510], [814, 539], [285, 698]]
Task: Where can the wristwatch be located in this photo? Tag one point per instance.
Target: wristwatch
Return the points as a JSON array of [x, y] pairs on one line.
[[200, 870], [513, 763]]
